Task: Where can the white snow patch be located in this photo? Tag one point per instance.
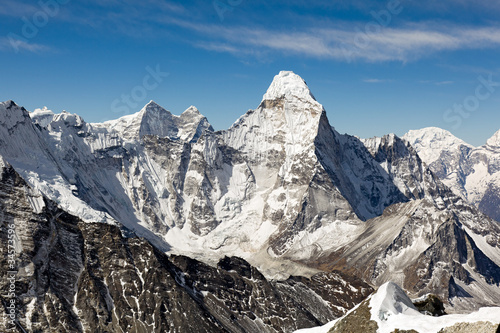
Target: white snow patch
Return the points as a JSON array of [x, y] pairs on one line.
[[30, 307], [35, 200]]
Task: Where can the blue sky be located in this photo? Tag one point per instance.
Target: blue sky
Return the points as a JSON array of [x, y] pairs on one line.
[[376, 66]]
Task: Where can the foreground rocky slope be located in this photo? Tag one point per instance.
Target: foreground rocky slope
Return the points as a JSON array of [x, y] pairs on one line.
[[86, 277]]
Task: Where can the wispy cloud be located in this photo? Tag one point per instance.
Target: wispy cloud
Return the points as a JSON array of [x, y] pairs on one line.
[[390, 44], [15, 8], [16, 45], [340, 41], [443, 83], [376, 80], [437, 83]]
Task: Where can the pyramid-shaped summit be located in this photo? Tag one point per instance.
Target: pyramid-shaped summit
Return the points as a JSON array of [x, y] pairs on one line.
[[288, 84]]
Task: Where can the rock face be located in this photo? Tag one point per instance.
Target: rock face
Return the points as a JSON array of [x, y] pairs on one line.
[[430, 305], [86, 277], [472, 173], [483, 327], [359, 320]]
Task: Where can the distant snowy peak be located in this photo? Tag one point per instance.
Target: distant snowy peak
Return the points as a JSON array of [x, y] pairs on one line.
[[42, 116], [191, 112], [153, 109], [431, 141], [56, 121], [150, 118], [153, 119], [65, 119], [191, 124], [288, 84], [494, 140]]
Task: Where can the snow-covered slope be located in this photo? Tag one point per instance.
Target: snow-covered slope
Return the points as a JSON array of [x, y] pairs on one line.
[[390, 309], [22, 144], [472, 173]]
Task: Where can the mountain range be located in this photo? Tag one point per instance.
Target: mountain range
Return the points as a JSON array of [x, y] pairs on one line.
[[472, 173], [156, 222]]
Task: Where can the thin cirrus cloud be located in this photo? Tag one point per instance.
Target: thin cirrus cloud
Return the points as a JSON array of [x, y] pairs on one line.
[[444, 83], [13, 44], [376, 80], [389, 44]]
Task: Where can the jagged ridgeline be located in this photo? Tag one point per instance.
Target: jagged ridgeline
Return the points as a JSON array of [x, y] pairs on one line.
[[155, 222]]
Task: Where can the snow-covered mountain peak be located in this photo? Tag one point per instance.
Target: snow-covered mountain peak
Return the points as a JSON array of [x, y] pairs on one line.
[[288, 115], [191, 111], [153, 119], [152, 109], [42, 116], [494, 140], [434, 140], [434, 134], [192, 124], [69, 119], [288, 84], [12, 114], [42, 111], [3, 163], [390, 300]]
